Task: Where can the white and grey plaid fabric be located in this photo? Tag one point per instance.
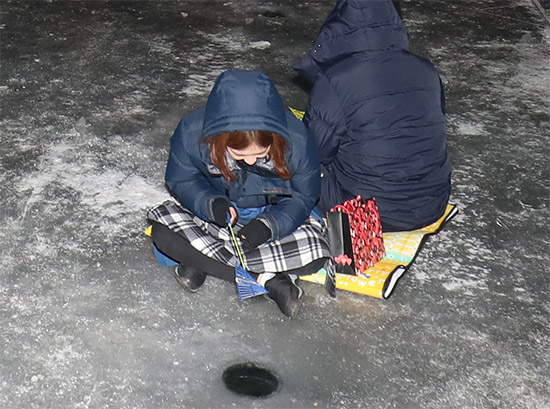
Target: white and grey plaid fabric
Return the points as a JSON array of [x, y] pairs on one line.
[[308, 243]]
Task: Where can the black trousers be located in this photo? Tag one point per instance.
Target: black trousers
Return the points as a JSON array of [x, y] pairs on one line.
[[179, 249]]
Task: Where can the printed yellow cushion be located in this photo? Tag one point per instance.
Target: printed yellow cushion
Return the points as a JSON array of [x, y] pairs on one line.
[[401, 250]]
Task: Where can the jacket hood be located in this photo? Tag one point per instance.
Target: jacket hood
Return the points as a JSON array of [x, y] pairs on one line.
[[353, 26], [245, 101]]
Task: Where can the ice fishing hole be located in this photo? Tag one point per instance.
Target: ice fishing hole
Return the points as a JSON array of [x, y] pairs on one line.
[[249, 379]]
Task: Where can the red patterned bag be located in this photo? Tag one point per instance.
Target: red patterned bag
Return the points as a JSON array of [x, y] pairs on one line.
[[355, 235]]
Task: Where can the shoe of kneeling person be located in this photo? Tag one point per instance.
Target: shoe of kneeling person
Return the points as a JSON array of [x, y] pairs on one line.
[[285, 292], [189, 277]]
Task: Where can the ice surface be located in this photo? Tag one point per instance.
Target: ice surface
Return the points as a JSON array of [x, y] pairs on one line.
[[90, 95]]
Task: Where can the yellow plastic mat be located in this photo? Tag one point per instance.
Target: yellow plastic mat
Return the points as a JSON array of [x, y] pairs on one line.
[[401, 250]]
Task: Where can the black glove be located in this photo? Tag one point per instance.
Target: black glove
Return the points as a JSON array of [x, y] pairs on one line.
[[254, 234], [220, 210]]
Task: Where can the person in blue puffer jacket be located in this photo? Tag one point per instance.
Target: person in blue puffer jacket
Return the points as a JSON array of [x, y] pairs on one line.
[[377, 114], [245, 160]]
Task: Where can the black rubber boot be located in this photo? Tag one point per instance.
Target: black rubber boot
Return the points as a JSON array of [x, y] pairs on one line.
[[190, 278], [285, 292]]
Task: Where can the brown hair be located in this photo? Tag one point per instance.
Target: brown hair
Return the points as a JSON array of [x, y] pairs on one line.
[[217, 145]]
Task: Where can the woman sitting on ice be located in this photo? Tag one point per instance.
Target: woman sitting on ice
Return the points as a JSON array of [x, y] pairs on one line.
[[245, 158]]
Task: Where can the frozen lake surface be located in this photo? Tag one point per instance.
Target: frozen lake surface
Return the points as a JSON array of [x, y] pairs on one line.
[[91, 92]]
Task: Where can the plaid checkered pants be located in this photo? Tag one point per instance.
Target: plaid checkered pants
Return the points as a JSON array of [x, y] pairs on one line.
[[307, 243]]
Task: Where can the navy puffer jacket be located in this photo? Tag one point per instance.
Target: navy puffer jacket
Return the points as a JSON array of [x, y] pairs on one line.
[[376, 112], [245, 100]]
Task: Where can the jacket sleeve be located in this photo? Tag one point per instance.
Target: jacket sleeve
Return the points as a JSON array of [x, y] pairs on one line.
[[291, 212], [184, 177], [325, 119]]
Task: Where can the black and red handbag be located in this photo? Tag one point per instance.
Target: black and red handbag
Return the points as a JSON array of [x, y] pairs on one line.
[[355, 235]]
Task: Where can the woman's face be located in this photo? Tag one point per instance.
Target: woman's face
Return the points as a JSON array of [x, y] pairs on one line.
[[250, 154]]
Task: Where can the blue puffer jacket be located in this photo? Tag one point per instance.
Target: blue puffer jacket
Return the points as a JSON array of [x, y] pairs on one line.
[[376, 112], [245, 100]]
